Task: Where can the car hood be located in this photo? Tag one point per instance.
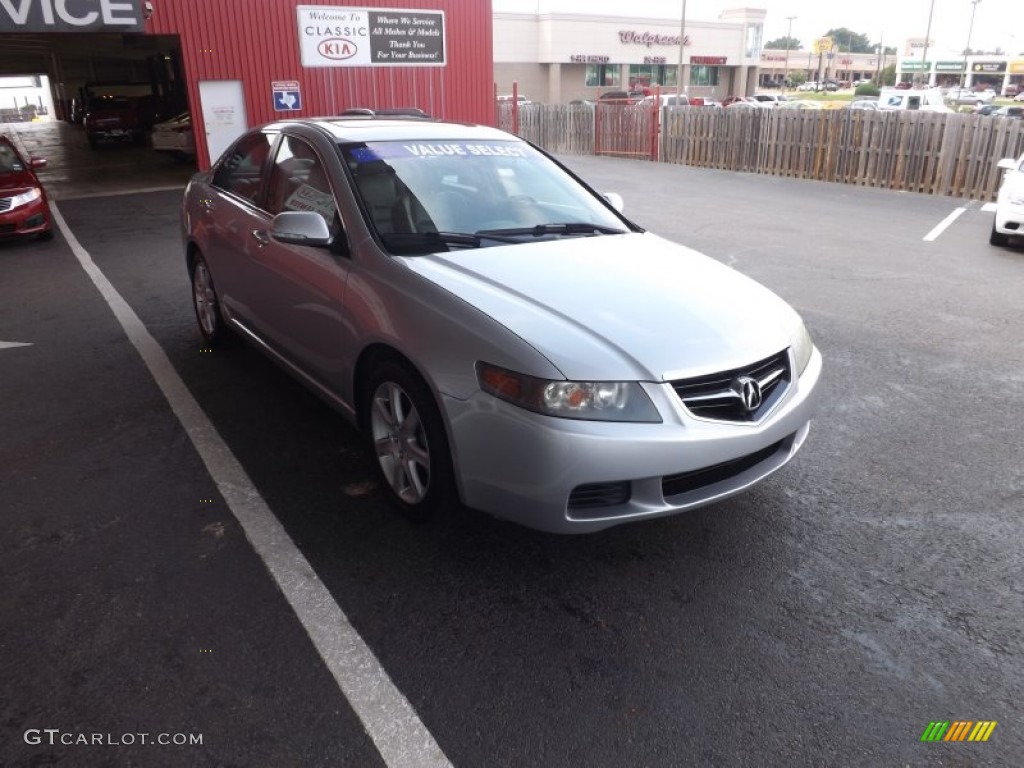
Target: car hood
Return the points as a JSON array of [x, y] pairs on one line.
[[17, 181], [629, 307]]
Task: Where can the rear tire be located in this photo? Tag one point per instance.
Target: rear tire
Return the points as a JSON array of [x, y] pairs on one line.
[[997, 238], [407, 438], [206, 304]]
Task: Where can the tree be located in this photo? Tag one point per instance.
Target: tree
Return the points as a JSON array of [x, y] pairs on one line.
[[848, 41], [784, 43], [889, 75]]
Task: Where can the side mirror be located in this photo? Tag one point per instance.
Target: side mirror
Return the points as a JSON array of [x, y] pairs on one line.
[[37, 162], [301, 228], [1007, 164], [615, 200]]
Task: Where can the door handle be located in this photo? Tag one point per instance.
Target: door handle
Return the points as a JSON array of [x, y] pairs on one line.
[[261, 236]]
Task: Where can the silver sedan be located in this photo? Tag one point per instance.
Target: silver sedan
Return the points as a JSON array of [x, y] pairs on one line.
[[502, 335]]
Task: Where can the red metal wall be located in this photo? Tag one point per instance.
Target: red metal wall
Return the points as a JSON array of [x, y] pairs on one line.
[[257, 42]]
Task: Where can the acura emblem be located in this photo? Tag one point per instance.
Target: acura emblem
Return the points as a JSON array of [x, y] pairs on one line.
[[749, 392]]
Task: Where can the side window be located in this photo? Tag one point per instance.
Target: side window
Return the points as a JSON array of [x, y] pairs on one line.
[[298, 181], [240, 172]]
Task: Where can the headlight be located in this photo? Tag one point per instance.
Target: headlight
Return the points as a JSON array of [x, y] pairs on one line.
[[587, 400], [799, 340], [1017, 198], [26, 197], [802, 346]]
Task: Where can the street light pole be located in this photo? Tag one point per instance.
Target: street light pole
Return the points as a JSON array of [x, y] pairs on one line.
[[789, 45], [970, 31], [682, 44]]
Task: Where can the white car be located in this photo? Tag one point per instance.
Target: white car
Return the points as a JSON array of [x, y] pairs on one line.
[[1009, 216], [810, 85], [667, 100], [175, 137]]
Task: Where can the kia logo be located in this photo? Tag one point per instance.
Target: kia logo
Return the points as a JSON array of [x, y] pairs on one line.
[[337, 48]]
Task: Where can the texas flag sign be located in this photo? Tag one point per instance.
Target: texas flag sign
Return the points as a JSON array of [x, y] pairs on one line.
[[287, 95]]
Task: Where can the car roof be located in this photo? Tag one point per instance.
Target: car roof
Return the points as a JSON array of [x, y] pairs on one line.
[[366, 128]]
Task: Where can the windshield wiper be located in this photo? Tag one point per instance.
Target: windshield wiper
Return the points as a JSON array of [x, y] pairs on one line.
[[565, 228], [413, 240]]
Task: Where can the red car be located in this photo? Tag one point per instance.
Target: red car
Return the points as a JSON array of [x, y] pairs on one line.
[[23, 208]]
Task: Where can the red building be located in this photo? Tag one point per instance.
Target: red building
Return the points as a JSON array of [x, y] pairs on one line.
[[240, 63]]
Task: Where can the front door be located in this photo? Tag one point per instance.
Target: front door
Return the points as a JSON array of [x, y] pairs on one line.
[[224, 120]]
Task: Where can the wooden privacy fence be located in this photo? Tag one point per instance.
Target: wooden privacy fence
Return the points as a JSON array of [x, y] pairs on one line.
[[927, 152]]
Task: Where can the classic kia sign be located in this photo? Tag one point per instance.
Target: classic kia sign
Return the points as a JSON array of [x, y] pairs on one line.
[[71, 16], [369, 37]]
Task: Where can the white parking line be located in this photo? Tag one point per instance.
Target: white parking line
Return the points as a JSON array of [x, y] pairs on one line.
[[388, 717], [944, 224]]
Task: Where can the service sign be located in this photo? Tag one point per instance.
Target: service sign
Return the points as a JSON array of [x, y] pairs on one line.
[[370, 37], [71, 16]]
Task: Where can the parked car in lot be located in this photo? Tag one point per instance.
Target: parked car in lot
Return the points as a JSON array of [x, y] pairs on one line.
[[1011, 113], [771, 99], [112, 119], [620, 97], [971, 96], [667, 100], [175, 137], [508, 99], [810, 85], [1009, 216], [416, 276], [800, 104], [24, 211], [1019, 97]]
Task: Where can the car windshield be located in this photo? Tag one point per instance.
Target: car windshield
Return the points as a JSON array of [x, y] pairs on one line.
[[9, 160], [424, 196]]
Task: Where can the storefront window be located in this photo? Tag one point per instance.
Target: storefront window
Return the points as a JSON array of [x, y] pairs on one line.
[[603, 74], [652, 74], [703, 75]]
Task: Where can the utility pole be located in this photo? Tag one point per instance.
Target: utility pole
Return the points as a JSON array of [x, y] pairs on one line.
[[789, 45], [967, 48], [878, 62], [927, 37], [682, 45]]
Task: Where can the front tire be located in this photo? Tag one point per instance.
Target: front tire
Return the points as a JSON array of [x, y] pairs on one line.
[[997, 238], [206, 304], [408, 440]]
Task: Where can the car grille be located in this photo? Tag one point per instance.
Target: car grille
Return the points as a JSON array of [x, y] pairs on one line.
[[719, 396], [5, 203], [673, 485]]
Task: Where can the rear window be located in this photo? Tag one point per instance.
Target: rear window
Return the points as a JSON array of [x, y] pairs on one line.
[[112, 103]]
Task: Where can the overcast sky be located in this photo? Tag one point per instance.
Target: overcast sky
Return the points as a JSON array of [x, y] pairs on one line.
[[998, 23]]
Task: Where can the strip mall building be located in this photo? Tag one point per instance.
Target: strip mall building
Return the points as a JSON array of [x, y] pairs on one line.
[[559, 57]]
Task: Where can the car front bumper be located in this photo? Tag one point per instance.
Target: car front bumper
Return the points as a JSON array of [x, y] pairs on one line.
[[1010, 218], [547, 473], [25, 220]]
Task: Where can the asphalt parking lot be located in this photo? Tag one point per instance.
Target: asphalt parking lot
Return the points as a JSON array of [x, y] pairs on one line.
[[824, 618]]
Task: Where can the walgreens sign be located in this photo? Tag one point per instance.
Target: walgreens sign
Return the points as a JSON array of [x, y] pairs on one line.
[[71, 16]]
